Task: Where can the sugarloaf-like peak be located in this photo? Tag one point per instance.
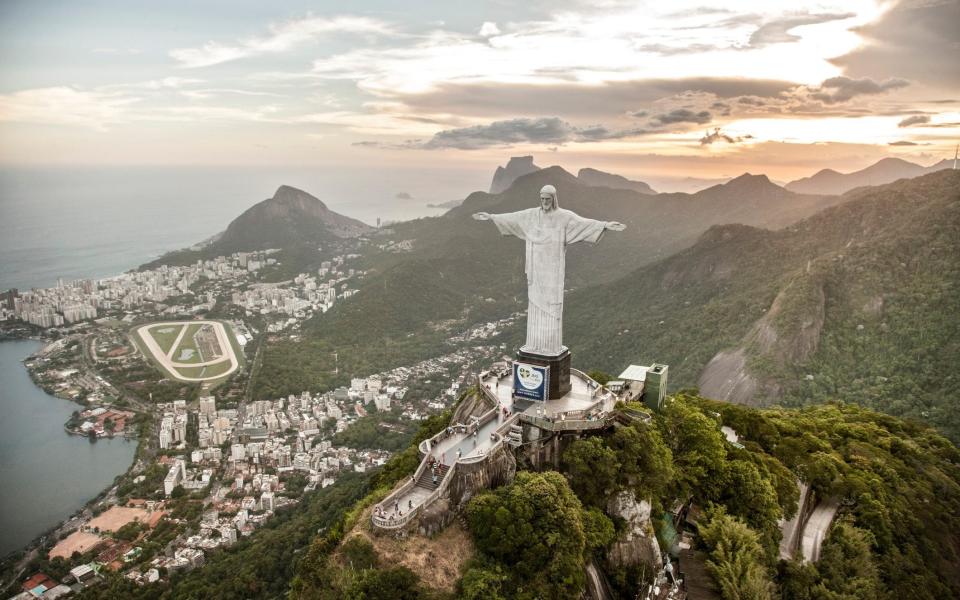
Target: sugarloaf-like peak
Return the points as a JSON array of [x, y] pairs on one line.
[[504, 177], [290, 217], [297, 199]]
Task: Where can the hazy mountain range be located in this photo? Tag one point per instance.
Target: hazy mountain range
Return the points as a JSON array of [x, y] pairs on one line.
[[824, 182], [753, 292], [888, 170], [855, 303], [602, 179]]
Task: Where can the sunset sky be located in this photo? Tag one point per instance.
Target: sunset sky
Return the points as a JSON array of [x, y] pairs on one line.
[[645, 89]]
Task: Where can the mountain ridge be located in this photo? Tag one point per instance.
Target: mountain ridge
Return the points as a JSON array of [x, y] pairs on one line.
[[886, 170], [460, 272], [595, 177], [854, 302], [291, 220]]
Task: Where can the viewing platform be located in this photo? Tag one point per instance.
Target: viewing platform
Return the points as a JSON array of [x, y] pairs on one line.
[[587, 406]]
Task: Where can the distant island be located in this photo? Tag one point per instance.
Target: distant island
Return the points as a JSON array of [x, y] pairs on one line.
[[448, 204]]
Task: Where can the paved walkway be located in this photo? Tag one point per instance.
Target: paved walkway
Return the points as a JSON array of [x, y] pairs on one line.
[[469, 445], [816, 529], [791, 528]]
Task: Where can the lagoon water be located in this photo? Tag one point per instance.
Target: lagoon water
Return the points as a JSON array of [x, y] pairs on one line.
[[46, 473], [79, 223]]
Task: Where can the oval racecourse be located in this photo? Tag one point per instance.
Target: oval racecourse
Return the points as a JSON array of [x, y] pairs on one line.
[[190, 350]]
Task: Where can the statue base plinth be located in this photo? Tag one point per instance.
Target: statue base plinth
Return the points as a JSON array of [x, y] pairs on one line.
[[559, 366]]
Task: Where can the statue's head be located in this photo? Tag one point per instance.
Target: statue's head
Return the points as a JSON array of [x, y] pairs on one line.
[[548, 198]]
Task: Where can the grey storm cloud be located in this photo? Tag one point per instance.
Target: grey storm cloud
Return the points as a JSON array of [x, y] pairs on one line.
[[719, 136], [683, 115], [751, 101], [575, 101], [403, 196], [841, 89], [778, 31], [914, 38], [722, 107], [914, 120], [542, 130]]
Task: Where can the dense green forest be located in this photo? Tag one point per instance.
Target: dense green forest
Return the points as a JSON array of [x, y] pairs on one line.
[[896, 535], [857, 303]]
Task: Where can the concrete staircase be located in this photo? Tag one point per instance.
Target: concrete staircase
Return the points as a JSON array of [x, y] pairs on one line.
[[426, 478]]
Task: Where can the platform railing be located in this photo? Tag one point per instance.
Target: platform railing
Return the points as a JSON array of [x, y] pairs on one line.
[[500, 439], [399, 521]]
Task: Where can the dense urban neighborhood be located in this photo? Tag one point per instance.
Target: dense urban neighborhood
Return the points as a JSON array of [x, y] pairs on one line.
[[212, 465]]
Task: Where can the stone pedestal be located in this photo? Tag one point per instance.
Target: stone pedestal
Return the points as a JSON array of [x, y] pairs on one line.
[[559, 370]]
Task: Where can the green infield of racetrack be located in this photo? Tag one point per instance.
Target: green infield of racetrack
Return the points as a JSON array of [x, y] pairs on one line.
[[212, 371], [187, 343], [165, 340], [207, 371]]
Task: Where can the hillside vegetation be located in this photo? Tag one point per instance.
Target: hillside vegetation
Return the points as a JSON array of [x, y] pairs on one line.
[[896, 535], [857, 303], [461, 272]]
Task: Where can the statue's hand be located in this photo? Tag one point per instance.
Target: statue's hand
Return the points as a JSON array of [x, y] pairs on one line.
[[614, 226], [481, 216]]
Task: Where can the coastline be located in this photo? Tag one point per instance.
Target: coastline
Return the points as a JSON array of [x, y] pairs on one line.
[[56, 393], [9, 561]]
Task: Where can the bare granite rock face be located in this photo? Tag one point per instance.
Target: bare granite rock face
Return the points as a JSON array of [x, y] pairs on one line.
[[469, 479], [435, 518], [789, 333], [474, 405], [638, 543], [505, 176]]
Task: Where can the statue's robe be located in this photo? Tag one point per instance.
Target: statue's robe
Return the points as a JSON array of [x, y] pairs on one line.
[[547, 235]]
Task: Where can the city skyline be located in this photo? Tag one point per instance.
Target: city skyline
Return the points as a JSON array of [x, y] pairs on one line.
[[692, 89]]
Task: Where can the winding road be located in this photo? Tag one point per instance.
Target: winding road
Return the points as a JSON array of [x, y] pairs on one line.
[[815, 531]]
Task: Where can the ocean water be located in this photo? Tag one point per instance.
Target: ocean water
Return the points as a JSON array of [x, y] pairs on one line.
[[92, 223], [97, 222]]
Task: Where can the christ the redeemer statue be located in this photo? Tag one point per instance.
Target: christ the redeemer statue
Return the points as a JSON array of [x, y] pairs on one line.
[[547, 230]]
